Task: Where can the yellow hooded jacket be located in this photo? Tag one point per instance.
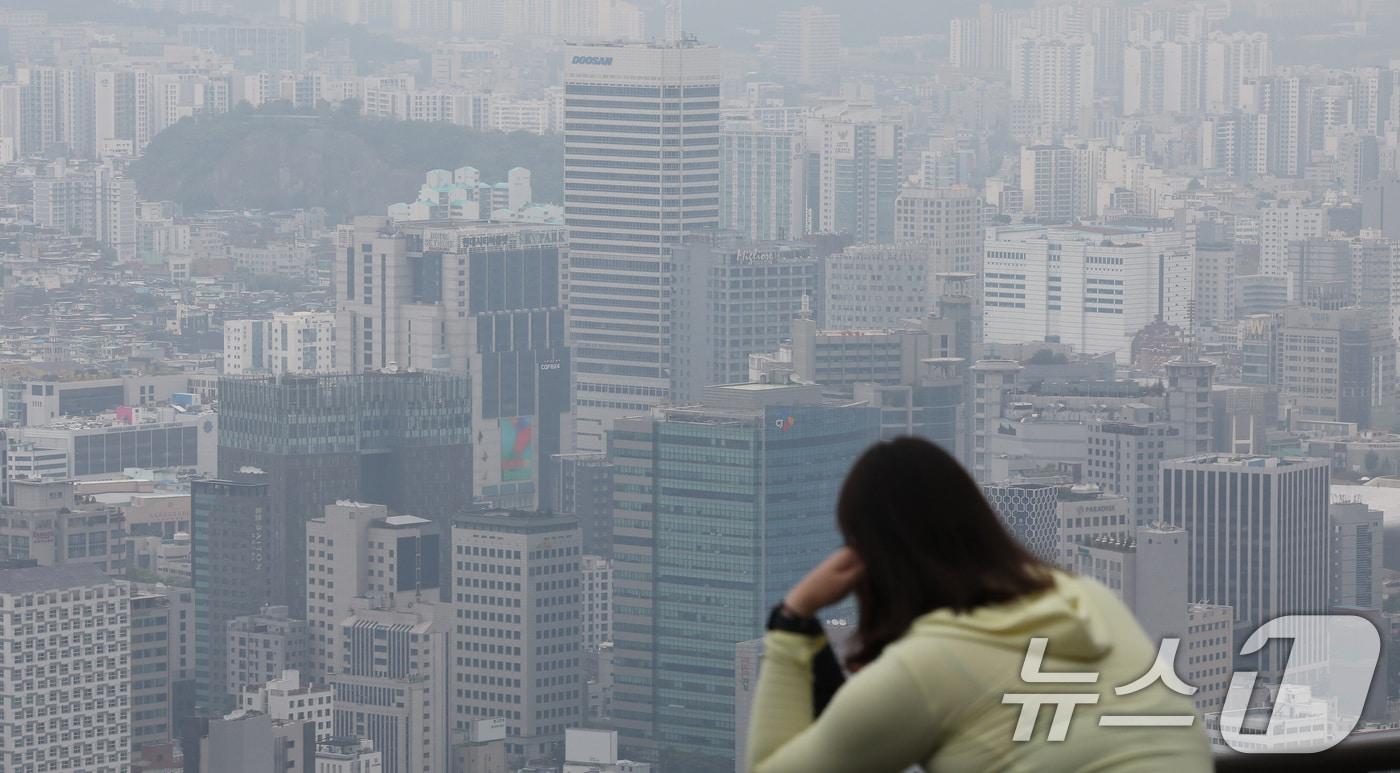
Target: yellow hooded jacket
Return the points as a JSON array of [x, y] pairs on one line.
[[935, 697]]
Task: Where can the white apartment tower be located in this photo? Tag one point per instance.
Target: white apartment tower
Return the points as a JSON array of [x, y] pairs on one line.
[[641, 150], [1055, 73], [809, 46], [763, 181], [1232, 58], [300, 342], [1285, 222], [64, 620]]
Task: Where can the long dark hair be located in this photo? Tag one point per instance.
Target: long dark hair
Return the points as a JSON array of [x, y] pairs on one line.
[[929, 540]]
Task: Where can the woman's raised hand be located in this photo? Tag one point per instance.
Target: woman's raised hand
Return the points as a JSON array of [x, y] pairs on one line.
[[827, 583]]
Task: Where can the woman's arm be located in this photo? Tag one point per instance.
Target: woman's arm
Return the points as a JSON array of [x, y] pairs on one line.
[[880, 721]]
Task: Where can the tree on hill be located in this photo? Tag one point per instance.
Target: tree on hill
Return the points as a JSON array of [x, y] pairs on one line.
[[274, 157]]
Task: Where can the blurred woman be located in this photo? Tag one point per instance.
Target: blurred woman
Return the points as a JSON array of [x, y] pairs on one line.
[[949, 607]]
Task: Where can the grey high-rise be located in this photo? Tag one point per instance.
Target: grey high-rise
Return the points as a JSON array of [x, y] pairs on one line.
[[641, 161], [397, 439], [1259, 534]]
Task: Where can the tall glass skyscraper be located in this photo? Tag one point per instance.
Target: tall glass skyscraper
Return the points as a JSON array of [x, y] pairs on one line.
[[641, 170], [480, 298], [719, 510], [396, 439], [230, 563]]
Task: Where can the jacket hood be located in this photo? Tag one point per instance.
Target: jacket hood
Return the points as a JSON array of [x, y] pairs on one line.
[[1063, 614]]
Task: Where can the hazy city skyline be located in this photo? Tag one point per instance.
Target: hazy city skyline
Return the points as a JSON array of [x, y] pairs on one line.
[[406, 386]]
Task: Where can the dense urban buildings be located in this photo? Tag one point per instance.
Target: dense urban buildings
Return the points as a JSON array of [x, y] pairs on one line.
[[474, 298], [454, 385], [394, 438]]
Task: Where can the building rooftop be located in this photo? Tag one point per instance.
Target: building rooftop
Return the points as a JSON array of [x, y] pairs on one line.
[[517, 521], [34, 579], [1248, 460]]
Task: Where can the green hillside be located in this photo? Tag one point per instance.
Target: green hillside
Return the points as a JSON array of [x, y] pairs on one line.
[[273, 158]]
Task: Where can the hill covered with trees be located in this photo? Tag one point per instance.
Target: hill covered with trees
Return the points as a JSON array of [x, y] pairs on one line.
[[276, 158]]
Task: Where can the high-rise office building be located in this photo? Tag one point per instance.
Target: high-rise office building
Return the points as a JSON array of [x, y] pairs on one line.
[[484, 299], [730, 299], [1030, 513], [392, 683], [843, 362], [231, 563], [808, 50], [1356, 555], [964, 43], [1093, 288], [248, 741], [1125, 456], [1260, 535], [1216, 264], [1334, 366], [518, 640], [1206, 654], [358, 555], [929, 406], [763, 183], [1048, 183], [696, 567], [654, 108], [950, 220], [582, 487], [152, 675], [76, 723], [401, 439], [855, 154]]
